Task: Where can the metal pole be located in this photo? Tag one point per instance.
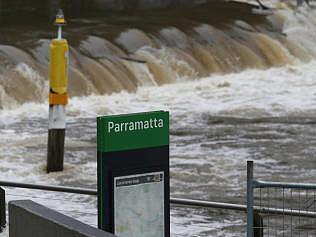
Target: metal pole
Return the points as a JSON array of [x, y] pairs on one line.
[[208, 204], [2, 210], [60, 34], [249, 198], [50, 188], [268, 184]]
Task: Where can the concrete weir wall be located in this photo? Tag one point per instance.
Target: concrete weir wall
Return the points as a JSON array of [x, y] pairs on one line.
[[29, 219], [145, 4], [30, 9]]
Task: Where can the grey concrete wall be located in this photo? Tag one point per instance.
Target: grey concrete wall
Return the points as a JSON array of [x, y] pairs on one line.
[[145, 4], [29, 219], [19, 11]]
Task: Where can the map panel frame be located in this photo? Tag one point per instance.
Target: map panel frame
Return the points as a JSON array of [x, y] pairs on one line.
[[152, 187]]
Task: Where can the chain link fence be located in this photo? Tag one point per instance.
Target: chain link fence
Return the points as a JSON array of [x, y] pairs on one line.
[[280, 209]]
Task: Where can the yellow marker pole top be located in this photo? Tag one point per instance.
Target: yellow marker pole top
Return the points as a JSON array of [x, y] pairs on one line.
[[60, 21], [59, 56]]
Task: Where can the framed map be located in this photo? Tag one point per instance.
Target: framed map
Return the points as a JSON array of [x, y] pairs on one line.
[[139, 205]]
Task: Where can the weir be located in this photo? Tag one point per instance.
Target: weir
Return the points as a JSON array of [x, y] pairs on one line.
[[111, 53]]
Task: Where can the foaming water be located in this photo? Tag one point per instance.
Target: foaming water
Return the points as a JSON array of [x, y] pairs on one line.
[[299, 28], [272, 92], [217, 123]]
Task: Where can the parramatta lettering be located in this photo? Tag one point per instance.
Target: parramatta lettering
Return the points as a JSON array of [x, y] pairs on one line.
[[152, 123]]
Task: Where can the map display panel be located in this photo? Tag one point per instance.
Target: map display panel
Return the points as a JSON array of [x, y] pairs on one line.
[[139, 205]]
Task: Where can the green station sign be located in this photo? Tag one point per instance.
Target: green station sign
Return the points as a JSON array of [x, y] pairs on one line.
[[132, 131], [133, 174]]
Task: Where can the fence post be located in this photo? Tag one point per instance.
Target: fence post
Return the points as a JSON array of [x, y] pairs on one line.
[[2, 210], [250, 198], [258, 225]]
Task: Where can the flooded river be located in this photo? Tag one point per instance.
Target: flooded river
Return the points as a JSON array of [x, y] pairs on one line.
[[238, 86]]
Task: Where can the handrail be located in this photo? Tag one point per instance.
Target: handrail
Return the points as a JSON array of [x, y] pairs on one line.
[[64, 189], [175, 201], [243, 208], [208, 204], [266, 184]]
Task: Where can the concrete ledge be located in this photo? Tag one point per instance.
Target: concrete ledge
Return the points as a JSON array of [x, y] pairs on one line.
[[145, 4], [29, 219]]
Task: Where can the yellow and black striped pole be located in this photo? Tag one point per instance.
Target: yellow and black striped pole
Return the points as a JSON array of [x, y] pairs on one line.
[[58, 98]]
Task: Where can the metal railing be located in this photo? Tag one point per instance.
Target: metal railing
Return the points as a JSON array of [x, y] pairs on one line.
[[43, 187], [93, 192], [283, 209], [175, 201], [259, 216]]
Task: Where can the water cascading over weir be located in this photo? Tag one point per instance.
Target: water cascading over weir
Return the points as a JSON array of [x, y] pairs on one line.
[[121, 45]]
